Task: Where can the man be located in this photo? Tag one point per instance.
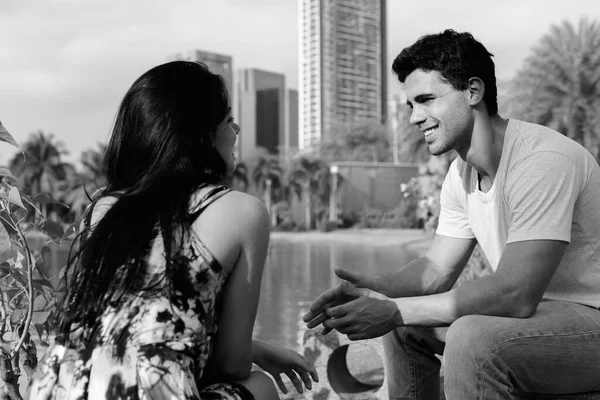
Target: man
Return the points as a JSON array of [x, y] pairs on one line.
[[531, 198]]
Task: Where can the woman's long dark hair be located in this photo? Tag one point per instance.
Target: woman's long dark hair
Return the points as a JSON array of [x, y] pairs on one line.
[[160, 152]]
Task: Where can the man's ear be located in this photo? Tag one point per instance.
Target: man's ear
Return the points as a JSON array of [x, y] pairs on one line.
[[476, 91]]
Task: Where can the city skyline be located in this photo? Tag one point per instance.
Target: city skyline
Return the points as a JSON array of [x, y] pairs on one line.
[[64, 65]]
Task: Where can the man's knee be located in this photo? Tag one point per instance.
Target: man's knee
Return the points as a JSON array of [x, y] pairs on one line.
[[427, 338], [470, 339]]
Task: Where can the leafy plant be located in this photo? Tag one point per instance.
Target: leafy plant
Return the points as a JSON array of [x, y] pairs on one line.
[[28, 298]]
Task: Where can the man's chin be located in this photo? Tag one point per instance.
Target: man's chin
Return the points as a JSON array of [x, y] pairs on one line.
[[437, 150]]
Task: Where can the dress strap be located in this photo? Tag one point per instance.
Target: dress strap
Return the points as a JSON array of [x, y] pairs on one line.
[[212, 195]]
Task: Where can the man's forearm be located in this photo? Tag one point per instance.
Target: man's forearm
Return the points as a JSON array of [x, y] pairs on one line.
[[419, 277], [487, 295]]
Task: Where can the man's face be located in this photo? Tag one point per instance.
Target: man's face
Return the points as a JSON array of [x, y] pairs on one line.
[[441, 112]]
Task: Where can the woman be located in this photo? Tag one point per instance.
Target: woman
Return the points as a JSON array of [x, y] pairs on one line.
[[166, 280]]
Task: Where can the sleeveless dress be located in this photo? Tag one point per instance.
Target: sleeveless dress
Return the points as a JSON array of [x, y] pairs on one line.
[[153, 346]]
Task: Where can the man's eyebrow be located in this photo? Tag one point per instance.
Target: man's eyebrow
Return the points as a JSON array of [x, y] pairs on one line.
[[422, 97]]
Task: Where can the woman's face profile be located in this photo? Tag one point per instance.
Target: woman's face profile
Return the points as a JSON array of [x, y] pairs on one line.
[[224, 141]]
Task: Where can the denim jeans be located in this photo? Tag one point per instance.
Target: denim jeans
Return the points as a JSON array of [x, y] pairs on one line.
[[557, 350]]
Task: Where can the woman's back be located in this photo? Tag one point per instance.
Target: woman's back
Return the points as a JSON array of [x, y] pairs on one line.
[[152, 343]]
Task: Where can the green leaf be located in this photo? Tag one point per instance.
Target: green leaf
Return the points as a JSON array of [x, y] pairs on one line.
[[31, 203], [45, 198], [5, 243], [16, 315], [52, 229], [10, 178], [7, 137], [15, 197], [4, 218], [73, 229], [40, 328]]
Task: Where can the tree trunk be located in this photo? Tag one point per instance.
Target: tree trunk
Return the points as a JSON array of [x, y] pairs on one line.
[[307, 210]]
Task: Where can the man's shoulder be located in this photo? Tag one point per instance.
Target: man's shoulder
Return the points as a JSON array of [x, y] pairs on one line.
[[527, 139]]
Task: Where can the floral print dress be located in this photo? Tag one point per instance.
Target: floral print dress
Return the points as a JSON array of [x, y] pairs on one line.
[[153, 346]]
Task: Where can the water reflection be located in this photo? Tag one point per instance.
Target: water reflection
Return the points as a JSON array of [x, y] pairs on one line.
[[297, 272]]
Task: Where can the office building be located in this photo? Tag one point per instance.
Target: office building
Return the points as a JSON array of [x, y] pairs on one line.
[[268, 112], [343, 65]]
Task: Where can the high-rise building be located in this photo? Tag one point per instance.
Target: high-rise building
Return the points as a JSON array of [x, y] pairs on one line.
[[292, 119], [342, 65], [267, 115]]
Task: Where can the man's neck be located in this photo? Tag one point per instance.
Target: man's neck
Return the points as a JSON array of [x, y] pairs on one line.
[[485, 149]]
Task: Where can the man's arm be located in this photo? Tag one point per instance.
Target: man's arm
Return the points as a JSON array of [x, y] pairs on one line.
[[435, 272], [524, 271], [515, 290]]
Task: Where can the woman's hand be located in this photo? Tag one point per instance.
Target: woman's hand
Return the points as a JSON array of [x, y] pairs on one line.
[[277, 360]]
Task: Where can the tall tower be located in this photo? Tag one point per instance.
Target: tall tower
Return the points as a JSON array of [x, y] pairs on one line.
[[342, 65]]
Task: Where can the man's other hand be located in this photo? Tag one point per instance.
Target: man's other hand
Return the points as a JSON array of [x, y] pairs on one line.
[[340, 294], [364, 317]]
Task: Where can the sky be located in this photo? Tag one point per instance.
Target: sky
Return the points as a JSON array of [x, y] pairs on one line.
[[66, 64]]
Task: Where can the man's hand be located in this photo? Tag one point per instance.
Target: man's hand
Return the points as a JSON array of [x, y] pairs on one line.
[[363, 318], [358, 313], [340, 294]]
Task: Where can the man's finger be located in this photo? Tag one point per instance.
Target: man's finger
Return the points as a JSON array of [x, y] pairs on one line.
[[352, 277], [318, 305], [357, 336], [325, 330], [316, 321], [336, 323], [339, 311]]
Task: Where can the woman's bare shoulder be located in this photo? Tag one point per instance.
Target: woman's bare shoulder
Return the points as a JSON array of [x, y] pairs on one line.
[[233, 222], [240, 210]]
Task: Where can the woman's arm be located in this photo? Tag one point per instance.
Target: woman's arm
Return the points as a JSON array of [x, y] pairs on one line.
[[249, 225], [277, 360]]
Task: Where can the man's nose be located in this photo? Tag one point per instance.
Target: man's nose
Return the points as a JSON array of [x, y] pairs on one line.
[[417, 115]]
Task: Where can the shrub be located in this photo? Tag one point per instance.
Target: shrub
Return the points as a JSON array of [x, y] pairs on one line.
[[28, 298]]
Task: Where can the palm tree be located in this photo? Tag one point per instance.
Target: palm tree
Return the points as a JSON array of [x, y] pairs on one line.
[[310, 180], [268, 178], [559, 85], [85, 183], [40, 168], [363, 141]]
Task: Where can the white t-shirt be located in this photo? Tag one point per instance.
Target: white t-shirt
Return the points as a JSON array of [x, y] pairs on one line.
[[547, 187]]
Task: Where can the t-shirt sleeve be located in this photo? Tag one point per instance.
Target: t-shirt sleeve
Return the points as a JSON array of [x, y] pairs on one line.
[[540, 193], [453, 220]]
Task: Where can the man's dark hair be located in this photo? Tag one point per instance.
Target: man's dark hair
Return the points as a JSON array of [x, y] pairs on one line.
[[457, 57]]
